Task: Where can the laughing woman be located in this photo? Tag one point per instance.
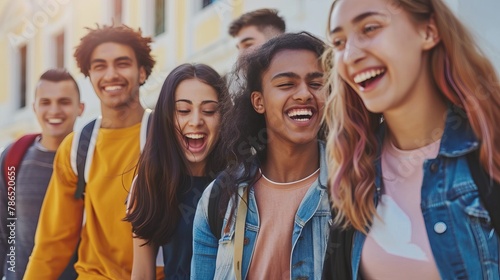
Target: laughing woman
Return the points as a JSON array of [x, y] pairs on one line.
[[414, 108], [178, 162]]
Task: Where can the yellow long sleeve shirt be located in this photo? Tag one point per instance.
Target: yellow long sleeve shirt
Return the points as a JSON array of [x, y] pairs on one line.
[[105, 250]]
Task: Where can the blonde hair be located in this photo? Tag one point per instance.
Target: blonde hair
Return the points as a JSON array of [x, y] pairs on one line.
[[462, 74]]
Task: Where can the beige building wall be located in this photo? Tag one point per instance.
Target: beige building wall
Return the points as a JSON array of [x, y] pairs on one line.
[[192, 34]]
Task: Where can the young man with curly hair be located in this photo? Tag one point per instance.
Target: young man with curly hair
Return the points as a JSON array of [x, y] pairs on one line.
[[117, 60]]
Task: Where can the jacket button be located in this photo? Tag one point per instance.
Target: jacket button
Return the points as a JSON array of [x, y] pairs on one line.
[[246, 240], [434, 167], [440, 227]]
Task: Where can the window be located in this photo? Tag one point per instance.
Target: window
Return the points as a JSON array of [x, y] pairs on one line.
[[59, 47], [207, 2], [160, 16], [117, 11], [23, 52]]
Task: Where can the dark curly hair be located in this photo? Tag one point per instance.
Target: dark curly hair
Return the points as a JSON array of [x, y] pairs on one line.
[[244, 138], [120, 34]]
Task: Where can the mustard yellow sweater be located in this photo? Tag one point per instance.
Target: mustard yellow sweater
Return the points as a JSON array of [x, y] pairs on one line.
[[105, 250]]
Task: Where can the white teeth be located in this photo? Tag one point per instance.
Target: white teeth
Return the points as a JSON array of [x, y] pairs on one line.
[[112, 88], [55, 121], [300, 112], [361, 77], [195, 136]]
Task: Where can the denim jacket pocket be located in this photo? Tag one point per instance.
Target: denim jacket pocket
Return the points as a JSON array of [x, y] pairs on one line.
[[484, 235], [477, 211], [478, 215], [224, 264]]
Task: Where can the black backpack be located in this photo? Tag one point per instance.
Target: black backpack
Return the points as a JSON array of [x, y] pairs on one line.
[[337, 264], [215, 214], [85, 138]]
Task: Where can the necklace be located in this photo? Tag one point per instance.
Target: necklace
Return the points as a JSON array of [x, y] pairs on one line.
[[289, 183]]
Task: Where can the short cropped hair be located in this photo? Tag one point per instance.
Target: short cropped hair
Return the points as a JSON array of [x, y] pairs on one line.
[[59, 75], [262, 19], [120, 34]]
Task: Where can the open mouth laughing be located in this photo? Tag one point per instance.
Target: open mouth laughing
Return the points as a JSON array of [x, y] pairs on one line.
[[300, 115], [367, 78], [195, 142]]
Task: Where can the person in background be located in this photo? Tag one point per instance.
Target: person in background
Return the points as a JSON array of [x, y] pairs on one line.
[[57, 105], [254, 28]]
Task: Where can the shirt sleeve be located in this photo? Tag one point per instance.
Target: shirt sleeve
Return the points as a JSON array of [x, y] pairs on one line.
[[60, 221]]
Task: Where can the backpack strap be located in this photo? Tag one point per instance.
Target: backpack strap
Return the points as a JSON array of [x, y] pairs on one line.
[[86, 145], [337, 262], [489, 190], [215, 218], [15, 154], [215, 212], [83, 146], [145, 124]]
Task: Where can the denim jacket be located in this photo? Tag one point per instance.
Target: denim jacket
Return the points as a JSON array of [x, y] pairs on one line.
[[213, 259], [462, 239]]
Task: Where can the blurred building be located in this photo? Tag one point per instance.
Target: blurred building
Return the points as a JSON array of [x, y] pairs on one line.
[[39, 34]]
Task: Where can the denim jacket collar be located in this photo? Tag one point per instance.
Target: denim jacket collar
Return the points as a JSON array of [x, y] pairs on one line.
[[458, 139], [314, 195]]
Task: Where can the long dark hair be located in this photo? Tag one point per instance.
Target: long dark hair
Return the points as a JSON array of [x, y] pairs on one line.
[[162, 168], [246, 133]]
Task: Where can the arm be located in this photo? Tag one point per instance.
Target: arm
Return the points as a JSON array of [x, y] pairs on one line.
[[205, 245], [144, 261], [144, 264], [60, 221]]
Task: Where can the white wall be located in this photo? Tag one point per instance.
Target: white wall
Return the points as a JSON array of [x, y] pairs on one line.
[[483, 20], [311, 15]]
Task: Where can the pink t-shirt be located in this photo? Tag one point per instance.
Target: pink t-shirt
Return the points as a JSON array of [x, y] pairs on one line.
[[397, 246], [277, 206]]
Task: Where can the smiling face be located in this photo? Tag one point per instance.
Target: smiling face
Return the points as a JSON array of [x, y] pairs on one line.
[[290, 100], [380, 51], [115, 75], [56, 106], [198, 119]]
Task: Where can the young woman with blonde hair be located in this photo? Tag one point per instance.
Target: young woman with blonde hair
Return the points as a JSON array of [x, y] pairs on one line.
[[412, 99]]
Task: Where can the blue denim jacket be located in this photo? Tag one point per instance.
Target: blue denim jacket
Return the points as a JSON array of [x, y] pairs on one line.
[[213, 259], [462, 239]]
